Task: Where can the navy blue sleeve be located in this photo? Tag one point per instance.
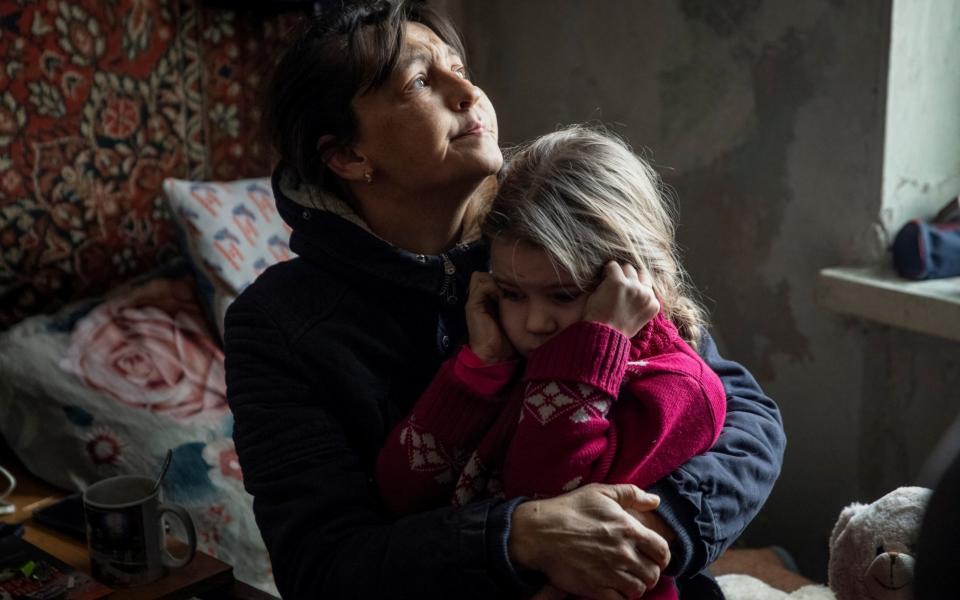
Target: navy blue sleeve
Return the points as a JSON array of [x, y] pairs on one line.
[[712, 498], [316, 505]]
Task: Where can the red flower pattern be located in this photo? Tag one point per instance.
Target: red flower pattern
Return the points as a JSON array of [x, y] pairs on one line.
[[121, 118], [99, 102], [104, 448], [221, 455], [230, 465]]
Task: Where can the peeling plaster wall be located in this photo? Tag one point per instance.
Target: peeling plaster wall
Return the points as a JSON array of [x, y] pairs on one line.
[[922, 156], [767, 118]]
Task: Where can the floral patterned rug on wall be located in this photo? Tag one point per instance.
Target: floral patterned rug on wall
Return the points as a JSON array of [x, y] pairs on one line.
[[99, 101]]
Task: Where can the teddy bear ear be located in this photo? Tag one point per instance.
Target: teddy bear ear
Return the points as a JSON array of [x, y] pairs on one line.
[[845, 515]]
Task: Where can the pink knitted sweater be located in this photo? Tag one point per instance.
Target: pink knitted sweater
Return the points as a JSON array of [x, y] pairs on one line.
[[591, 406]]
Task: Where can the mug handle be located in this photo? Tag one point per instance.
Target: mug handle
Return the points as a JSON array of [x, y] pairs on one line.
[[183, 516]]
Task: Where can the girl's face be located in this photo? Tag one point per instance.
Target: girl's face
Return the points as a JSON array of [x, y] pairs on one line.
[[536, 301], [428, 127]]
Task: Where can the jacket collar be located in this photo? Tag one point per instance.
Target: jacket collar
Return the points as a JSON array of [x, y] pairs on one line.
[[326, 229]]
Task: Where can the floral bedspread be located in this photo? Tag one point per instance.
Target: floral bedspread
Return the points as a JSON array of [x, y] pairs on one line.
[[107, 386]]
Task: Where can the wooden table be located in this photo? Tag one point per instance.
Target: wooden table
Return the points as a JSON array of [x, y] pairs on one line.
[[205, 577]]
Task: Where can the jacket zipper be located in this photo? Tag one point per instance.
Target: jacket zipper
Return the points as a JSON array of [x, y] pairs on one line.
[[449, 288]]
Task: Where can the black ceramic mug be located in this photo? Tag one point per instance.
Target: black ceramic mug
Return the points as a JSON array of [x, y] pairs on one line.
[[125, 531]]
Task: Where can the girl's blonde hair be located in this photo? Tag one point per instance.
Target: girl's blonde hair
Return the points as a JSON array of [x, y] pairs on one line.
[[585, 198]]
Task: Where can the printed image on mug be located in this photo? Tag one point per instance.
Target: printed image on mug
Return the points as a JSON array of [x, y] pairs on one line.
[[125, 531], [118, 548]]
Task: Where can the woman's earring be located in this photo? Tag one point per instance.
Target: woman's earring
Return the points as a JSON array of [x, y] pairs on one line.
[[368, 176]]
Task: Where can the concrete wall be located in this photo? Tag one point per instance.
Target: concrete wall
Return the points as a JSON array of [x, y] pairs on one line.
[[767, 118]]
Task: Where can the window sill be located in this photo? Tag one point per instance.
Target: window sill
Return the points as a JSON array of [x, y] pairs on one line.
[[878, 294]]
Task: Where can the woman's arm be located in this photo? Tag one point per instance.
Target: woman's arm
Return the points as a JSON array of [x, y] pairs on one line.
[[710, 500], [417, 467]]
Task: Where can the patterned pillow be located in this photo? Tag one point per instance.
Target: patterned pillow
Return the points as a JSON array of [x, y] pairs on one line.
[[231, 232], [106, 386]]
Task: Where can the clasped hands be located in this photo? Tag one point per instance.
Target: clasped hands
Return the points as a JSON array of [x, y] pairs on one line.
[[599, 541]]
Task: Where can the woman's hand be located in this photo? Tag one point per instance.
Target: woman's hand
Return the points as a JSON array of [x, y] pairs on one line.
[[487, 339], [587, 543], [624, 299]]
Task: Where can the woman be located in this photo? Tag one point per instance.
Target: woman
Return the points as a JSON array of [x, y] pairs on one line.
[[388, 153]]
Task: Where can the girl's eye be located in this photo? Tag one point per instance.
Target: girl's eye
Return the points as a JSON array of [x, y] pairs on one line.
[[565, 298], [510, 295], [419, 83], [460, 71]]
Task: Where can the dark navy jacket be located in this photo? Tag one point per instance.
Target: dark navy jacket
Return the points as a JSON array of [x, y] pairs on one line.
[[326, 352]]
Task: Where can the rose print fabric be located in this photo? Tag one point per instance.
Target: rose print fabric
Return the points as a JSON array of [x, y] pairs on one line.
[[150, 349], [105, 387], [231, 232]]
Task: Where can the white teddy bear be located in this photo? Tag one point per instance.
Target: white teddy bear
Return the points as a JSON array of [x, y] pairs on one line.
[[871, 554]]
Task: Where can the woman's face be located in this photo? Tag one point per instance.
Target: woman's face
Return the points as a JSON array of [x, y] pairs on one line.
[[537, 301], [428, 127]]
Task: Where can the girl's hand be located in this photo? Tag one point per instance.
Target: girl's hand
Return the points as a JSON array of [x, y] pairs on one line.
[[588, 544], [487, 339], [624, 299]]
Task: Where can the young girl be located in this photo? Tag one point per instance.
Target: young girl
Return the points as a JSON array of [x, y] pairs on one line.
[[586, 288]]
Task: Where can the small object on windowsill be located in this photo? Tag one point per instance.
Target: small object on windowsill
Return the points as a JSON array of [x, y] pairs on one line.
[[927, 250], [930, 250]]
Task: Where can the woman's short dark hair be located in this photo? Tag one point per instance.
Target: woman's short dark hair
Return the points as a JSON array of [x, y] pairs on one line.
[[350, 48]]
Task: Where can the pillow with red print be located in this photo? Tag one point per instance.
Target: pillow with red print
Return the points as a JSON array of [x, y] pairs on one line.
[[230, 232]]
